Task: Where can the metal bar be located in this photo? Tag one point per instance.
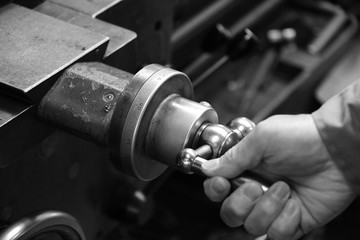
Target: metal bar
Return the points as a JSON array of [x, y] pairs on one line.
[[210, 71], [254, 16], [260, 77], [330, 31], [202, 21], [247, 21], [201, 63]]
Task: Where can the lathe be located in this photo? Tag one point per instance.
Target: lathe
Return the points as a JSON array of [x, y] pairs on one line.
[[94, 117]]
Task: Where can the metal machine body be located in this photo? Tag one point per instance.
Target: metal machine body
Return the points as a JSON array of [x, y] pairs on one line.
[[89, 124], [144, 120]]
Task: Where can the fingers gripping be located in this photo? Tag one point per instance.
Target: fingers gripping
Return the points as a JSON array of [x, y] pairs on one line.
[[267, 209], [243, 156], [272, 212], [240, 203]]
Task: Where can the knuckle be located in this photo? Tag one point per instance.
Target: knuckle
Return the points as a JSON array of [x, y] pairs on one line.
[[271, 206], [267, 206]]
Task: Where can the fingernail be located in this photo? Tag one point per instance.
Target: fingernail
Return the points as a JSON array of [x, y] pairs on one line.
[[209, 165], [280, 191], [290, 208], [218, 186]]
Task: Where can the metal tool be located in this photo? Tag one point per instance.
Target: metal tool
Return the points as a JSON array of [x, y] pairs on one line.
[[147, 120], [60, 223], [144, 119]]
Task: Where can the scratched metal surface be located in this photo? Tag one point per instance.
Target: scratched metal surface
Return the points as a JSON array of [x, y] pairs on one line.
[[119, 36], [29, 58], [120, 52]]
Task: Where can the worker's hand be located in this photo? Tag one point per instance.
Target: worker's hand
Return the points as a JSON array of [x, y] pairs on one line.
[[312, 191]]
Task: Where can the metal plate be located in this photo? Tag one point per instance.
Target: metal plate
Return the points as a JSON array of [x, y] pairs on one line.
[[119, 37], [90, 7], [35, 47]]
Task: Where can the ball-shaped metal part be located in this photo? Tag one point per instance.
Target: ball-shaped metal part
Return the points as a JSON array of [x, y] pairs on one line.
[[186, 159], [219, 137], [242, 126]]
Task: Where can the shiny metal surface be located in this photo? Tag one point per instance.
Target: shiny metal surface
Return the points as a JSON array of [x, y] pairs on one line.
[[242, 126], [204, 151], [196, 165], [144, 120], [189, 161], [67, 173], [158, 85], [174, 127], [57, 222], [213, 140], [219, 137], [30, 58], [186, 159]]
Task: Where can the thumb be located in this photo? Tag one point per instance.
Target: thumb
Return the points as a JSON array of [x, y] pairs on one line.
[[245, 155]]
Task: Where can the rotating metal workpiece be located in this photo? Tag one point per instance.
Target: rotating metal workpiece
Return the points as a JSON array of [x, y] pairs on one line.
[[145, 120]]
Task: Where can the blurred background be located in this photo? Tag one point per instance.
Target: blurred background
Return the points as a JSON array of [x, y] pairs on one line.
[[246, 58]]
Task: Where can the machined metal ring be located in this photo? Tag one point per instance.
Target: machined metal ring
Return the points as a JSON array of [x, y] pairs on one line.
[[58, 222], [157, 86]]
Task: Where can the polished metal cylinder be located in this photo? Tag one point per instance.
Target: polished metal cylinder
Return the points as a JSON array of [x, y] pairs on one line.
[[174, 127]]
